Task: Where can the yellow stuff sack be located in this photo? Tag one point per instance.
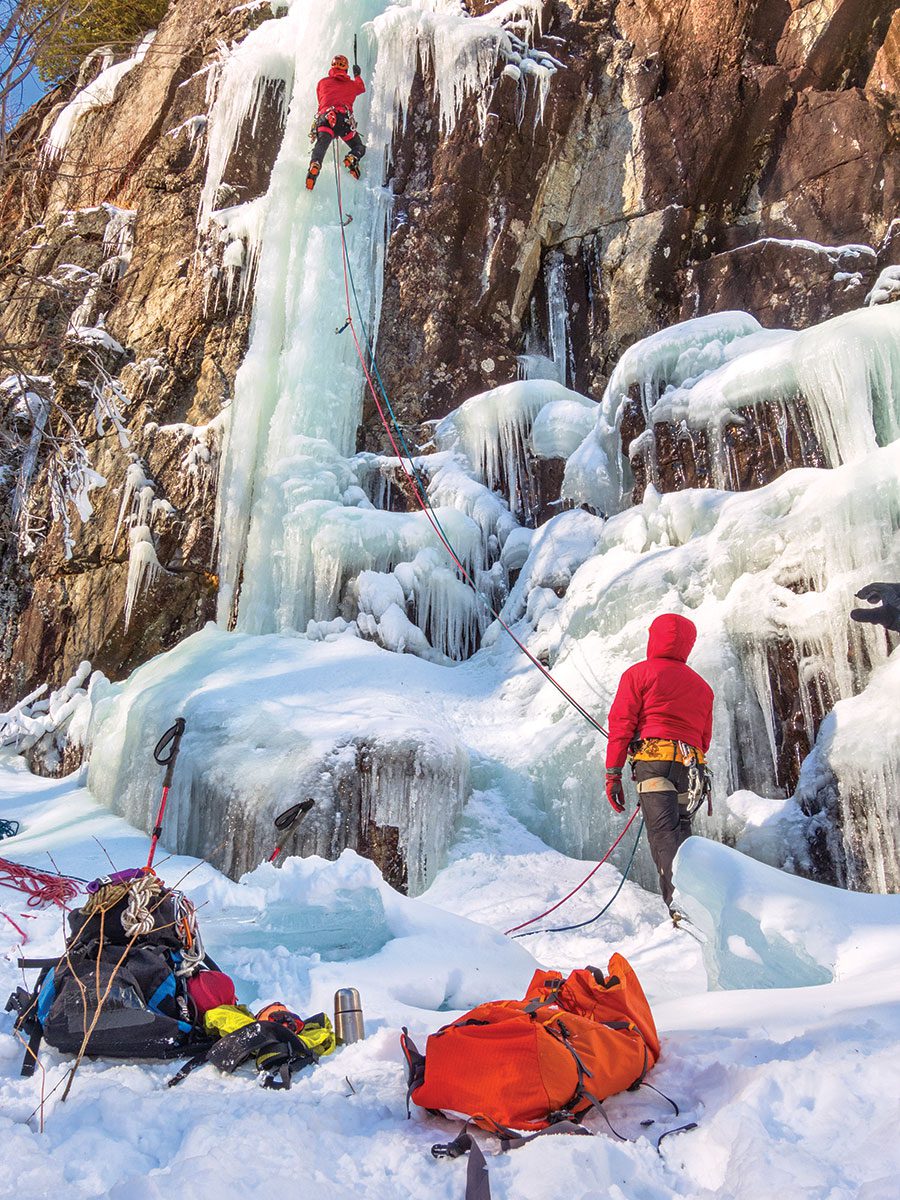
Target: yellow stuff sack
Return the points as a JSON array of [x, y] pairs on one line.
[[227, 1018], [317, 1035]]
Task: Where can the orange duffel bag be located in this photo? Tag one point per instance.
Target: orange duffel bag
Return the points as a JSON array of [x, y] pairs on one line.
[[513, 1065]]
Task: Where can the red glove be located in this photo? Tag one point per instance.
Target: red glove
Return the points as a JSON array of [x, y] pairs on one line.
[[614, 792]]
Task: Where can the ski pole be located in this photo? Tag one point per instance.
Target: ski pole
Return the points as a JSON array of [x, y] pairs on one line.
[[287, 822], [171, 742]]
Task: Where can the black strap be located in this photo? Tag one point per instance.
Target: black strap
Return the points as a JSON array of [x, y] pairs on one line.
[[29, 1062], [669, 1132], [513, 1143], [191, 1065], [643, 1083]]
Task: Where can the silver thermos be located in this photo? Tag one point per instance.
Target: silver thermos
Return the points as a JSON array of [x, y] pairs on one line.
[[348, 1017]]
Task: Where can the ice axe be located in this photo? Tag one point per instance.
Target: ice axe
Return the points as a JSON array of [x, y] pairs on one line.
[[355, 59], [287, 822], [165, 753]]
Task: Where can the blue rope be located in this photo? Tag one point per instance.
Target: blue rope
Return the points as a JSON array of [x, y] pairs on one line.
[[606, 906]]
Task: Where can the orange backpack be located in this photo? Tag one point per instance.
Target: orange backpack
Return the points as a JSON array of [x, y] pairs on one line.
[[532, 1063]]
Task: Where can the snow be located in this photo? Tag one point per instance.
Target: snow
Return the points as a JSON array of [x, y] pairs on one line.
[[791, 1082], [887, 287], [492, 431], [98, 93]]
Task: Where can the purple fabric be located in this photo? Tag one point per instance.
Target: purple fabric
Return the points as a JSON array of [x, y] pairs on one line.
[[116, 877]]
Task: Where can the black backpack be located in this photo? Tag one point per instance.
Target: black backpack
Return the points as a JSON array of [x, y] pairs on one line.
[[119, 988]]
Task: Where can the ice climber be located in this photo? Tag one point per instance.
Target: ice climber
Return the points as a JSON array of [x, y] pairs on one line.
[[661, 721], [335, 95]]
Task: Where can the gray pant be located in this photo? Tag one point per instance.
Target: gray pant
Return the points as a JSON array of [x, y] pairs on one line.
[[668, 825]]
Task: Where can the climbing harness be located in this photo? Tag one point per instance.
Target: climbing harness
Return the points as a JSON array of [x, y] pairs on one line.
[[606, 906], [411, 472], [171, 742]]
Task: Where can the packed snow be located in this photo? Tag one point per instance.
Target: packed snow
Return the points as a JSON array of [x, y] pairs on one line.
[[791, 1081]]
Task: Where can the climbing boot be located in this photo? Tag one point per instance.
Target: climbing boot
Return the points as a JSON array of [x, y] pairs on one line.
[[312, 174], [351, 162]]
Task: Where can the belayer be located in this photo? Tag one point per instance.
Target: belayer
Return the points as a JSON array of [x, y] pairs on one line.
[[661, 720], [335, 95]]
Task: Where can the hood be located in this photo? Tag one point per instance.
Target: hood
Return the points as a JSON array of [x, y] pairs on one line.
[[671, 636], [337, 73]]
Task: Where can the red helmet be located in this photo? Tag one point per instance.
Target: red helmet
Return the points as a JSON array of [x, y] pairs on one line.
[[340, 63]]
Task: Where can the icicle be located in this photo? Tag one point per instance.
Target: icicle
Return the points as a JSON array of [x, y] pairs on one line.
[[144, 568]]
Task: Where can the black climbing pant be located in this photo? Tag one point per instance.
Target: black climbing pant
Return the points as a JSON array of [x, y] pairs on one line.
[[668, 825], [332, 125]]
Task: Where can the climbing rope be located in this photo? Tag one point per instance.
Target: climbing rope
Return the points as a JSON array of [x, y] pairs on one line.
[[412, 475], [41, 887], [590, 875], [608, 905]]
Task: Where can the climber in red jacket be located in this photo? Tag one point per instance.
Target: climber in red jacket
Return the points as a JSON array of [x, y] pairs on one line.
[[661, 720], [335, 95]]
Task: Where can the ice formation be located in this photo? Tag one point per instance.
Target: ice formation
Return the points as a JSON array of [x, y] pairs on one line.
[[702, 373], [351, 672], [764, 928], [373, 761], [298, 393], [493, 428], [137, 509], [97, 93]]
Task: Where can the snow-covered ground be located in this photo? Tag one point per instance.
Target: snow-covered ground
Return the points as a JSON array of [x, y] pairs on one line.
[[794, 1088]]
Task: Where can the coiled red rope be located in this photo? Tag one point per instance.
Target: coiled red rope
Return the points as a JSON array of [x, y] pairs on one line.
[[41, 887]]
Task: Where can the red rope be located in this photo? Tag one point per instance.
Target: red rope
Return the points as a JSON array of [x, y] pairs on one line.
[[41, 887], [590, 875], [422, 500], [18, 928]]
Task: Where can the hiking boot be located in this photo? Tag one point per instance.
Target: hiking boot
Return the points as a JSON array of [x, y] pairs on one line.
[[351, 162], [311, 175]]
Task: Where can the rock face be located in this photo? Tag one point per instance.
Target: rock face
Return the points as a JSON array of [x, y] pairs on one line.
[[105, 236], [688, 157], [691, 157]]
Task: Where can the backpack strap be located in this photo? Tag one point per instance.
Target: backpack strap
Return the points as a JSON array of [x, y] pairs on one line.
[[24, 1005], [415, 1070], [478, 1184]]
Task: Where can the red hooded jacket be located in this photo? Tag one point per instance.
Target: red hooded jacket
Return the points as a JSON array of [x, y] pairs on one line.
[[661, 696], [338, 90]]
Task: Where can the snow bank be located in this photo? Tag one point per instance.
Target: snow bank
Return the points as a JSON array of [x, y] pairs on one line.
[[764, 928], [274, 719]]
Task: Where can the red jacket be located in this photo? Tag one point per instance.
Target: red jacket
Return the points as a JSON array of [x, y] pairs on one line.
[[338, 90], [661, 696]]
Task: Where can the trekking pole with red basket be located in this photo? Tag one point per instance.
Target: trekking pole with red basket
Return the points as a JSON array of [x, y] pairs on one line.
[[287, 822], [166, 754]]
